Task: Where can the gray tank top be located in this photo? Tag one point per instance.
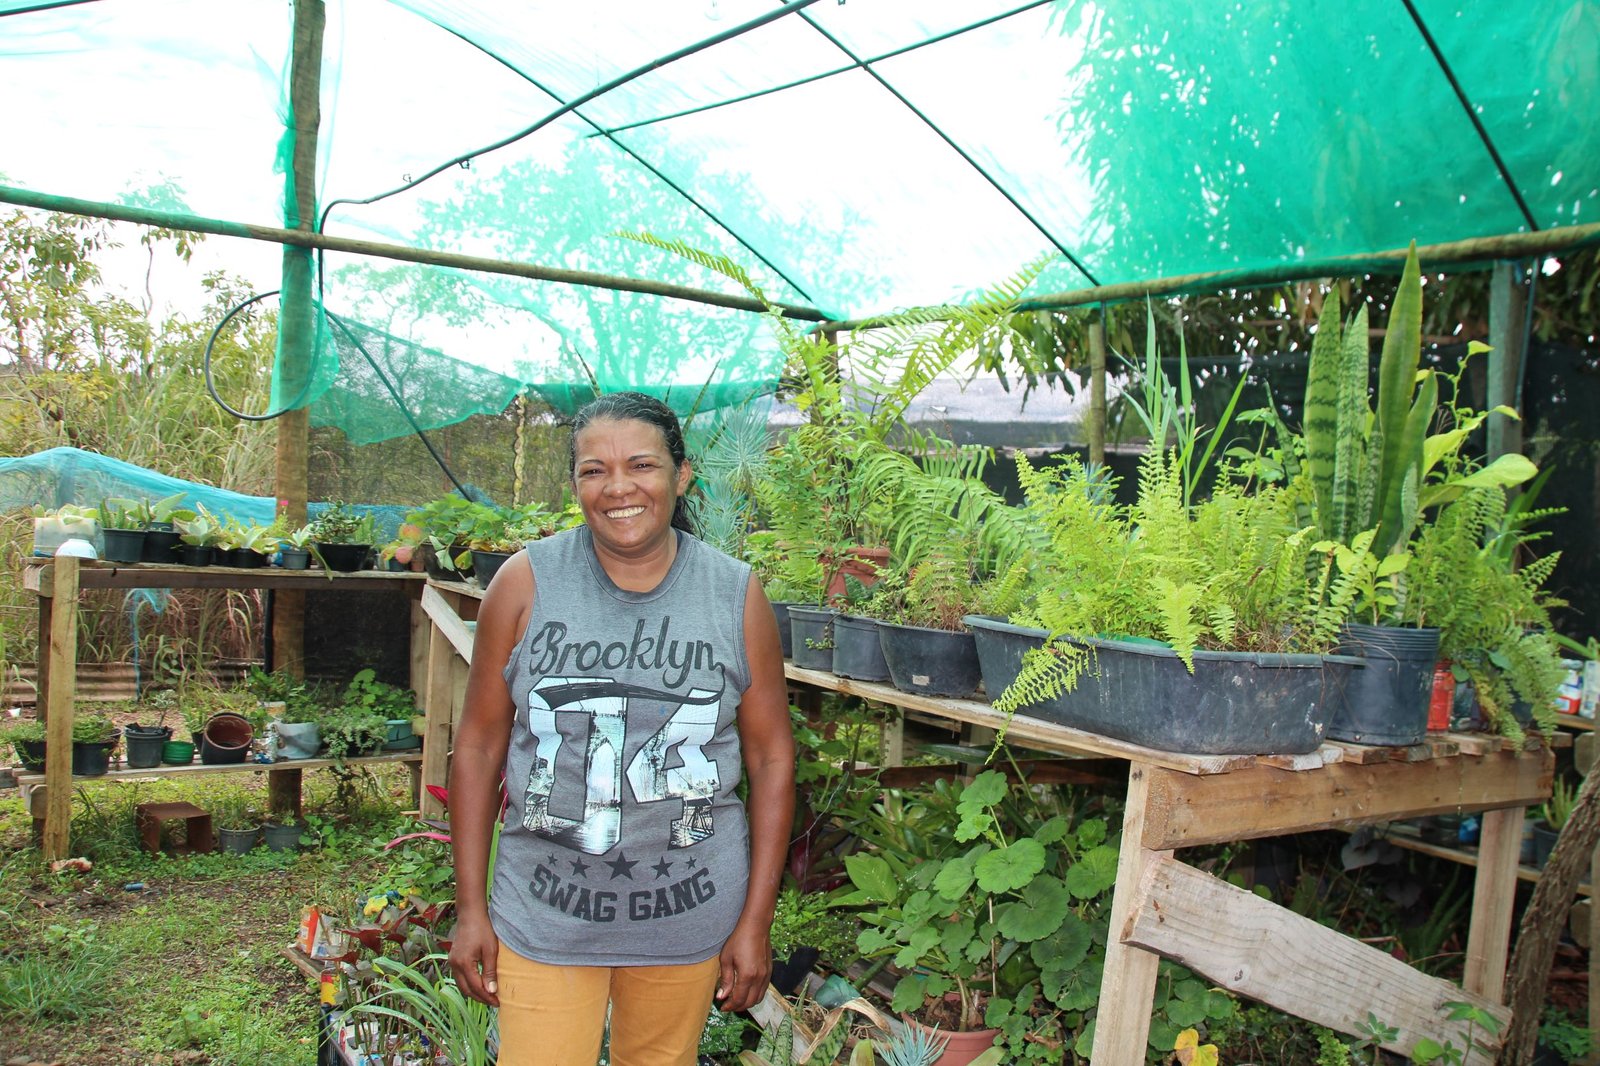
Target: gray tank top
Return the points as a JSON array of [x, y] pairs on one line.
[[624, 843]]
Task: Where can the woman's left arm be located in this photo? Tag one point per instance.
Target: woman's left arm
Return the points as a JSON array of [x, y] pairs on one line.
[[768, 745]]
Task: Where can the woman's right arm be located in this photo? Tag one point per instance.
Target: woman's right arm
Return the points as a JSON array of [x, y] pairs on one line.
[[477, 759]]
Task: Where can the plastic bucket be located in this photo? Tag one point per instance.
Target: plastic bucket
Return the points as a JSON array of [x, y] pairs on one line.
[[144, 744], [238, 841], [1387, 702], [930, 662], [295, 559], [281, 837], [1235, 703], [298, 740], [856, 651], [31, 752], [812, 629], [177, 753], [226, 739]]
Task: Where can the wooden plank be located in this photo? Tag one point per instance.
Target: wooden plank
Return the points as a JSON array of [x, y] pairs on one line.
[[1405, 836], [436, 705], [1022, 730], [127, 776], [62, 659], [103, 575], [1475, 743], [1410, 753], [1442, 747], [892, 742], [1331, 753], [1258, 802], [1361, 754], [1258, 949], [445, 618], [1294, 763], [417, 670], [1128, 984], [1494, 894]]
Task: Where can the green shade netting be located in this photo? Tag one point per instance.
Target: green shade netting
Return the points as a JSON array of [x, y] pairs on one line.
[[1129, 139]]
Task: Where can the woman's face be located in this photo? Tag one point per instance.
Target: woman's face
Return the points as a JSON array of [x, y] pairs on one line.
[[627, 484]]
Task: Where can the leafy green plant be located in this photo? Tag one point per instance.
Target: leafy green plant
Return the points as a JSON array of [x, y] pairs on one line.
[[233, 810], [1569, 1041], [93, 729], [365, 694], [345, 733], [1428, 1051], [201, 529], [424, 999], [60, 978], [1558, 808], [120, 513], [340, 524], [23, 731]]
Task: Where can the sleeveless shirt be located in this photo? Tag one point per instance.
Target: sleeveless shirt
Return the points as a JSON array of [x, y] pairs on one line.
[[623, 842]]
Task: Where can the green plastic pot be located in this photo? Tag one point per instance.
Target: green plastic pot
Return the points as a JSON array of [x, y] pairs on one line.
[[177, 753]]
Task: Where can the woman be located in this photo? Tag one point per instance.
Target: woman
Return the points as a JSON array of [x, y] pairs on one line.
[[619, 671]]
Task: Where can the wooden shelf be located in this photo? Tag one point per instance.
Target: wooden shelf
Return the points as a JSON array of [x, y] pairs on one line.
[[1405, 836], [31, 777], [94, 574], [1573, 721]]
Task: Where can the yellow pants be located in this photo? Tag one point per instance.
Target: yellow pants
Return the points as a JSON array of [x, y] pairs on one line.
[[556, 1015]]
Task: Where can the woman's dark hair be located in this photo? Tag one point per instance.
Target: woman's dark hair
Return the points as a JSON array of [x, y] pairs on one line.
[[635, 407]]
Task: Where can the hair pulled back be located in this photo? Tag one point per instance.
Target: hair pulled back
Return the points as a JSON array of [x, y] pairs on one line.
[[635, 407]]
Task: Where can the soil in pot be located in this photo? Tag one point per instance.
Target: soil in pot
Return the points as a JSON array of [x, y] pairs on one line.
[[931, 662], [92, 760], [177, 753], [123, 545], [144, 745], [813, 636], [1387, 702], [344, 558], [856, 651], [226, 739], [238, 841], [160, 546]]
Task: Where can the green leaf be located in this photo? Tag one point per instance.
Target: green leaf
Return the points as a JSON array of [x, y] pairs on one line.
[[1052, 831], [1075, 989], [1184, 1013], [1163, 1034], [1219, 1005], [872, 876], [1011, 867], [922, 941], [1426, 1050], [1043, 907], [957, 936], [909, 993], [955, 877], [986, 790], [1091, 832], [1085, 1042], [1507, 470], [1065, 948], [1093, 873], [1188, 989]]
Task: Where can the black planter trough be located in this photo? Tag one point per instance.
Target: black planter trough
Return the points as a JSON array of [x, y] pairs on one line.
[[344, 558], [1235, 703], [813, 636], [931, 662]]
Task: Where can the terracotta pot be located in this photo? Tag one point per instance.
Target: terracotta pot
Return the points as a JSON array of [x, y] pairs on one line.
[[863, 564], [961, 1048]]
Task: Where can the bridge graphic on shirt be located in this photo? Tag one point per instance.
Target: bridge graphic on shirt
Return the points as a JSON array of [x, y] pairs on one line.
[[694, 781]]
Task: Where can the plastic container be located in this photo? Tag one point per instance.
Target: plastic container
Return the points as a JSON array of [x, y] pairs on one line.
[[813, 636], [226, 739], [92, 760], [144, 745], [1235, 703], [345, 558], [177, 753], [1387, 702], [487, 564], [282, 837], [780, 611], [297, 740], [856, 651], [931, 662], [238, 841], [52, 531], [124, 545]]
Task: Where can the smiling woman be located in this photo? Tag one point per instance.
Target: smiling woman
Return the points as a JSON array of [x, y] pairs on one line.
[[625, 677]]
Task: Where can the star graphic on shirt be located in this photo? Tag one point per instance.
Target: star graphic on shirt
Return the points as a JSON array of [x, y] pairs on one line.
[[691, 864], [551, 858], [579, 867], [622, 866], [662, 868]]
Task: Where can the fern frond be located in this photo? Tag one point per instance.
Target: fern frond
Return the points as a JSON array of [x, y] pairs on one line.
[[1177, 605]]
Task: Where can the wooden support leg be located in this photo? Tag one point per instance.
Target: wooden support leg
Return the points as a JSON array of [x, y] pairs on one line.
[[62, 659], [1493, 894], [436, 706], [892, 741], [283, 791], [1128, 986]]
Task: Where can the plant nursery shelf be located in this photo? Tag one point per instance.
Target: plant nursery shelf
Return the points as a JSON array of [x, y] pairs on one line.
[[39, 576], [37, 778], [1165, 908], [1404, 836]]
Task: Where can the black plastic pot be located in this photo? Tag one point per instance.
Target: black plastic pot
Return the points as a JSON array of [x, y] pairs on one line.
[[144, 745], [780, 611], [430, 564], [486, 564], [295, 559], [226, 739], [91, 760], [1387, 702], [160, 546], [930, 662], [1235, 703], [856, 651], [344, 558], [788, 973], [238, 841], [124, 545], [31, 752], [1544, 841], [195, 554], [244, 558], [813, 636]]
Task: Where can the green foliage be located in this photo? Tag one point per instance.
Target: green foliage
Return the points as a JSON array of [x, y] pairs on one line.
[[1558, 808], [427, 1001], [806, 919], [340, 524], [1569, 1041], [367, 695], [723, 1036], [22, 730], [199, 528], [60, 977], [93, 729], [1428, 1051]]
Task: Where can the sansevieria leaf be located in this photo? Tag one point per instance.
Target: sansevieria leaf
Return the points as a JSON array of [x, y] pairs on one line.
[[1350, 449], [1397, 380], [1322, 409]]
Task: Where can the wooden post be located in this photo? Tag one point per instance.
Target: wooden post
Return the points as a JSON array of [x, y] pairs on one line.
[[62, 656], [1493, 895], [1508, 309], [1128, 985], [297, 316], [1097, 388], [437, 708]]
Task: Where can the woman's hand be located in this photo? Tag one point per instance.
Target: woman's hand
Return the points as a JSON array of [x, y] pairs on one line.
[[473, 955], [746, 967]]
